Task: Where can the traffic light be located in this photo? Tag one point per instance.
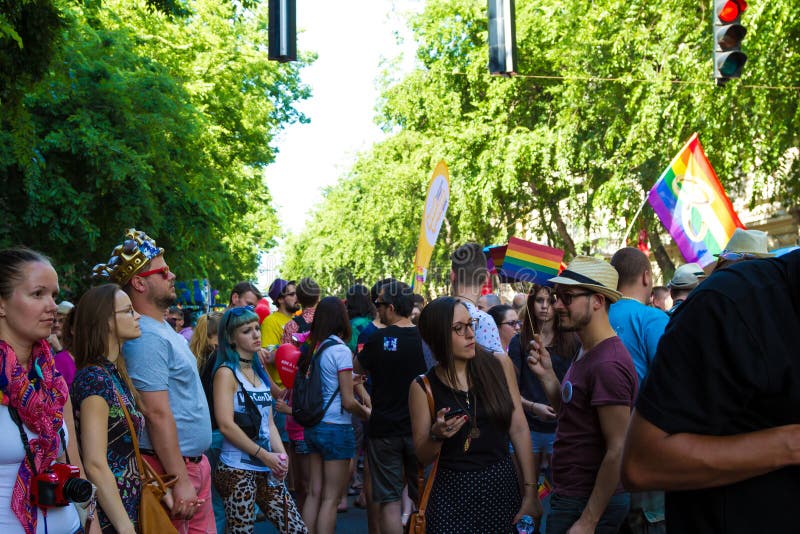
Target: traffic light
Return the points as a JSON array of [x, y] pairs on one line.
[[728, 34], [502, 38], [282, 31]]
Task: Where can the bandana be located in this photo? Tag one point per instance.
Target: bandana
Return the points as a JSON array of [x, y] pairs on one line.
[[39, 396]]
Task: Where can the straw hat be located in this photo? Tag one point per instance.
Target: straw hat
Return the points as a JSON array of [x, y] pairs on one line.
[[753, 242], [64, 307], [591, 273], [687, 276]]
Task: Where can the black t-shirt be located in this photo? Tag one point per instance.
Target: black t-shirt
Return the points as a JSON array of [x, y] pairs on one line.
[[393, 357], [530, 387], [729, 363]]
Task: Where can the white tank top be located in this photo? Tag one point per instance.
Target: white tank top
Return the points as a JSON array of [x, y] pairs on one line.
[[230, 454], [60, 520]]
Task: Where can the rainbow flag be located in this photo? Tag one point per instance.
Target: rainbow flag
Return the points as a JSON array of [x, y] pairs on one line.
[[693, 206], [529, 262]]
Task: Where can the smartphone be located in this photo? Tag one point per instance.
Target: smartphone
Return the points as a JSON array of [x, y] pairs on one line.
[[454, 412]]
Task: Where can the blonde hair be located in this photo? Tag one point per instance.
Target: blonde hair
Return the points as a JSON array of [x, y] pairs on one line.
[[204, 330]]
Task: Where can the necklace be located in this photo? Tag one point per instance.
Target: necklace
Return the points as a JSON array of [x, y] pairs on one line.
[[474, 431], [242, 360]]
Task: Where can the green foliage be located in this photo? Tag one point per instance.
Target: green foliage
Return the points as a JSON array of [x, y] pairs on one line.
[[148, 120], [609, 91]]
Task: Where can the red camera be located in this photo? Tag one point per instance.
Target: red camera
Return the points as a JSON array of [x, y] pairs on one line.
[[58, 486]]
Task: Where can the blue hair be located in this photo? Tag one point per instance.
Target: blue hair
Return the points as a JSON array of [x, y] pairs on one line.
[[232, 319]]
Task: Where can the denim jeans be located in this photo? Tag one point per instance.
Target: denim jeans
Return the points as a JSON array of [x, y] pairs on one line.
[[565, 511]]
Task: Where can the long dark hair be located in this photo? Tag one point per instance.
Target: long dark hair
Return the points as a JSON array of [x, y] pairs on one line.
[[484, 372], [359, 303], [330, 318], [92, 331], [565, 343]]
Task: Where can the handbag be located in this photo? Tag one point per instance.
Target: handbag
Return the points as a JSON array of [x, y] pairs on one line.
[[154, 518], [416, 521], [250, 420]]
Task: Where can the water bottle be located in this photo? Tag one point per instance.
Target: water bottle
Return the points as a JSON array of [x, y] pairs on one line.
[[272, 480], [525, 525]]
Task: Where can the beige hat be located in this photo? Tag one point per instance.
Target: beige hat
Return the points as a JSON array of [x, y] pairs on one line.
[[64, 307], [591, 273], [752, 242], [687, 276]]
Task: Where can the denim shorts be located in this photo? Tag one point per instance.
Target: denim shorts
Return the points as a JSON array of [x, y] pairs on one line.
[[280, 424], [543, 441], [331, 441], [300, 446]]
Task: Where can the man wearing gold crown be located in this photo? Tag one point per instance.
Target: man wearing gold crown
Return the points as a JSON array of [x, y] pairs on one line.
[[164, 372]]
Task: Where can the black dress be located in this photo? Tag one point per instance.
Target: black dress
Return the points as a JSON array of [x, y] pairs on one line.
[[475, 491]]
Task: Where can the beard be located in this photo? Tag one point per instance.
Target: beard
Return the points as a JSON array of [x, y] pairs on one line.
[[165, 301], [292, 309], [573, 324]]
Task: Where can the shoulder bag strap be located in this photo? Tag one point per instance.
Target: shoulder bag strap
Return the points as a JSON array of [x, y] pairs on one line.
[[425, 492], [24, 437], [248, 400]]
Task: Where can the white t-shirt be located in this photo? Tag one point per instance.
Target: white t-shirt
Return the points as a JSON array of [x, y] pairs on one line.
[[60, 520], [333, 360], [230, 455]]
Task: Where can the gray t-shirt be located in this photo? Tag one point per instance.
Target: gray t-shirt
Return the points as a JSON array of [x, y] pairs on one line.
[[160, 360]]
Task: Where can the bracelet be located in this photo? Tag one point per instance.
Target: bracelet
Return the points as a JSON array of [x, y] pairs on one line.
[[257, 451], [534, 484]]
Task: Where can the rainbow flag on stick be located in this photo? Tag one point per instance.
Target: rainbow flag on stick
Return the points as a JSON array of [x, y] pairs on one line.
[[693, 206], [529, 262]]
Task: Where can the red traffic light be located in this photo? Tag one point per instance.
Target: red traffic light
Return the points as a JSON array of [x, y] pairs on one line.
[[731, 10]]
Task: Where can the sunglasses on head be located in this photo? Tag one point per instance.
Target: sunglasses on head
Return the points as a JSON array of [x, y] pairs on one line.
[[736, 256], [163, 271], [241, 310]]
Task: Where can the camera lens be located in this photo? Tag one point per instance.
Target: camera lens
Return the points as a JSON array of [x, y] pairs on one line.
[[77, 490]]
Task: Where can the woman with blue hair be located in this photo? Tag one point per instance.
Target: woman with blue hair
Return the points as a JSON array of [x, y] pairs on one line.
[[252, 461]]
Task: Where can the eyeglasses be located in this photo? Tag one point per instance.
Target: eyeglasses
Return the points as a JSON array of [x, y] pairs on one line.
[[736, 256], [293, 293], [380, 303], [128, 310], [566, 298], [163, 271], [461, 328], [514, 324]]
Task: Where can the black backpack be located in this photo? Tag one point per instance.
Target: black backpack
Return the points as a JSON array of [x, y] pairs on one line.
[[307, 407]]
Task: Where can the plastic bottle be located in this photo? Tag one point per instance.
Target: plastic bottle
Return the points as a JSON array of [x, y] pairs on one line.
[[525, 525], [272, 480]]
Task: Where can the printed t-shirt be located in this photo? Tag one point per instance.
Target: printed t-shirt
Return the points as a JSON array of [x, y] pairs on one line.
[[334, 360], [729, 364], [160, 360], [603, 376], [393, 357], [231, 455]]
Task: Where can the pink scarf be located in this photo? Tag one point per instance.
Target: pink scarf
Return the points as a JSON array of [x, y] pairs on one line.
[[39, 395]]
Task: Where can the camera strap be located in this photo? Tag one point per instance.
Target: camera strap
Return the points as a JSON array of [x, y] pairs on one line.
[[24, 437]]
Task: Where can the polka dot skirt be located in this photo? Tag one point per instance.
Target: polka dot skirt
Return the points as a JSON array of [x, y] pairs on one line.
[[474, 502]]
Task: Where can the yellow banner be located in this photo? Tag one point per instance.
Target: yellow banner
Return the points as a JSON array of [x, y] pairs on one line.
[[435, 209]]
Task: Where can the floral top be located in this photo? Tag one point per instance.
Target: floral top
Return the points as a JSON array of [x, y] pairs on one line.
[[104, 381]]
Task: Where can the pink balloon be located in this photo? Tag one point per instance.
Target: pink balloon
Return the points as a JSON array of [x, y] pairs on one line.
[[262, 310], [286, 363]]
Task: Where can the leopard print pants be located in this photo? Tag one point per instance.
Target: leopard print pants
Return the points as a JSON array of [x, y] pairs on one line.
[[241, 490]]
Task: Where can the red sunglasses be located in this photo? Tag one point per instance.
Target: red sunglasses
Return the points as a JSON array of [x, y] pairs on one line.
[[163, 271]]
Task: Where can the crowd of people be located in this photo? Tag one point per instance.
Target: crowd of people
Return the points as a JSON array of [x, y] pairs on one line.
[[635, 409]]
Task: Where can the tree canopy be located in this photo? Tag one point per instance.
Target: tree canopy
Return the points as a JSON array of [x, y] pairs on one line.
[[608, 92], [157, 115]]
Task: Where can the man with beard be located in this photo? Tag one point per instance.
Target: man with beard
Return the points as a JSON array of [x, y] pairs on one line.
[[164, 371], [593, 403]]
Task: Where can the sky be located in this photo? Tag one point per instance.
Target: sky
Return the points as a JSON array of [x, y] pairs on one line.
[[351, 38]]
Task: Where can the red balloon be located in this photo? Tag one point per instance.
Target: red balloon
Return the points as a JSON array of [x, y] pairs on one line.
[[262, 310], [286, 363]]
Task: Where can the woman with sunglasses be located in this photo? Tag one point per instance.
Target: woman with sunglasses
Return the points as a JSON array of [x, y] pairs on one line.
[[477, 413], [250, 469], [538, 317], [104, 320], [34, 400], [507, 321]]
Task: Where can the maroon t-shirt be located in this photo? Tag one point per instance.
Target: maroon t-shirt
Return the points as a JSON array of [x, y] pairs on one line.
[[601, 377]]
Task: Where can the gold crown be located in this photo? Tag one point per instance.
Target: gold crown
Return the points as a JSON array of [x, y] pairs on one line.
[[128, 258]]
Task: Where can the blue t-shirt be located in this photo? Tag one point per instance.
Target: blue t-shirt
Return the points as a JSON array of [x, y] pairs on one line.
[[333, 360], [160, 360], [640, 328]]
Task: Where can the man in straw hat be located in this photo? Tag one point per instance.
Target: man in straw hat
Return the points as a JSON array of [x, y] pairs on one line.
[[164, 371], [686, 278], [743, 245], [716, 424], [593, 403]]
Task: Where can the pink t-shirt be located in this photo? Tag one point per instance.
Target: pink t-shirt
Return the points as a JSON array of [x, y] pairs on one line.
[[66, 366], [604, 376]]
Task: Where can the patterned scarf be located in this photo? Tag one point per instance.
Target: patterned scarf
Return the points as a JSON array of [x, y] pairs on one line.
[[38, 395]]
